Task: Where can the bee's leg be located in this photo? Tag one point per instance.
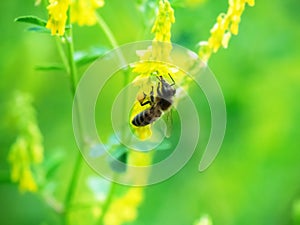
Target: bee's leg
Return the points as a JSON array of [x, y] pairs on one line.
[[152, 95], [158, 89], [145, 103], [172, 80], [148, 102]]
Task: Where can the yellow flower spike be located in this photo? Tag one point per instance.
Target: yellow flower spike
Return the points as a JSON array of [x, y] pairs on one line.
[[27, 149], [164, 20], [27, 182], [134, 196], [112, 218], [20, 162], [129, 214], [96, 211], [226, 25], [57, 10], [13, 159], [251, 2], [37, 153], [97, 3], [83, 12], [234, 28], [37, 150], [137, 158], [125, 206]]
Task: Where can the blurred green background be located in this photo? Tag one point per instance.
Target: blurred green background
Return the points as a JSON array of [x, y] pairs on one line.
[[256, 176]]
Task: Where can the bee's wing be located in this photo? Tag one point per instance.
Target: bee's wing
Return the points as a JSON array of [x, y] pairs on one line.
[[169, 123]]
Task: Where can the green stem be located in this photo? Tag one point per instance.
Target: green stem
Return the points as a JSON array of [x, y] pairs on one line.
[[111, 38], [62, 54], [71, 62], [73, 84], [73, 182], [107, 202], [107, 31]]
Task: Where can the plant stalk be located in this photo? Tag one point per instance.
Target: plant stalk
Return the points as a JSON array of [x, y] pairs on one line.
[[73, 84], [107, 203]]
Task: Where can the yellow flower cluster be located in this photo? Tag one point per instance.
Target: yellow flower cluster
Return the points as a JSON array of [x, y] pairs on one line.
[[227, 24], [139, 159], [161, 47], [57, 10], [83, 12], [151, 59], [27, 149], [124, 209], [163, 23]]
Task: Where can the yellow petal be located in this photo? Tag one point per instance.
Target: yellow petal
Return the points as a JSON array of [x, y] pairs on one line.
[[234, 28], [251, 2], [226, 39]]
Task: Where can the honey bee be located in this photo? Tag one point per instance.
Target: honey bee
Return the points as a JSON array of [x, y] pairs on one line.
[[159, 104]]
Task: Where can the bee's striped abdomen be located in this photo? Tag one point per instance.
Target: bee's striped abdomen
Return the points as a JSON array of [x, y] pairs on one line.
[[146, 117]]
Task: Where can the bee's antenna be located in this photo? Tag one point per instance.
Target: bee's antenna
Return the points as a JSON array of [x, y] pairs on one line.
[[172, 80]]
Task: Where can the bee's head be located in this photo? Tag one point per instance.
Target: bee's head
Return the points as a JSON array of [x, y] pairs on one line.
[[160, 78]]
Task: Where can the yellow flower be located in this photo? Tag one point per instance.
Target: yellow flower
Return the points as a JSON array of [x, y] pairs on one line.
[[163, 22], [83, 12], [226, 25], [27, 149], [124, 209], [250, 2], [27, 181], [20, 161], [57, 10], [137, 158], [226, 39]]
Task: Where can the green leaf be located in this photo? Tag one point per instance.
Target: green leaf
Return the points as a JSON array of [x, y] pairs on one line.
[[85, 57], [54, 66], [165, 145], [52, 163], [39, 30], [118, 163], [32, 20]]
